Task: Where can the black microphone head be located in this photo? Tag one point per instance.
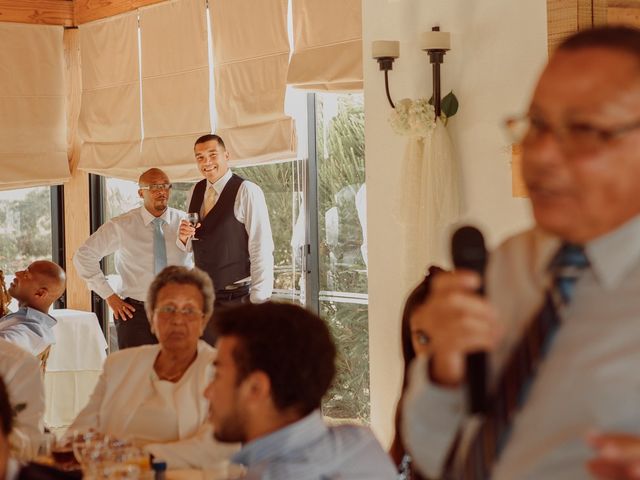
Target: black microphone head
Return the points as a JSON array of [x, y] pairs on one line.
[[468, 250]]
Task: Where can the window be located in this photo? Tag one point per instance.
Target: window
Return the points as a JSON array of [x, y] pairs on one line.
[[337, 213], [26, 232], [343, 249], [283, 185]]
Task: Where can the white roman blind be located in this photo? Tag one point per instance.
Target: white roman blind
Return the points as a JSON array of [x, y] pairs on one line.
[[327, 39], [110, 123], [251, 57], [33, 125], [175, 85]]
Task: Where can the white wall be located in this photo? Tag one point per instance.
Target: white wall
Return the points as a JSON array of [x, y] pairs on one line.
[[498, 49]]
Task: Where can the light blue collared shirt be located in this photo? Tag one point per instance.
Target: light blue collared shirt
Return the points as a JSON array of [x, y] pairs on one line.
[[29, 329], [310, 450], [588, 379]]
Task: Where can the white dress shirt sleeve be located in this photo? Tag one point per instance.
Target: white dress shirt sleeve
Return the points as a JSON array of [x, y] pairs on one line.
[[22, 376], [431, 418], [103, 242], [199, 451], [250, 208]]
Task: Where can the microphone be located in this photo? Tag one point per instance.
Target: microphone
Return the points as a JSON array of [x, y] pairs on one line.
[[469, 253]]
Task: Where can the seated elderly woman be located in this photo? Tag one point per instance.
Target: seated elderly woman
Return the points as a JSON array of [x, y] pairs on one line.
[[153, 394]]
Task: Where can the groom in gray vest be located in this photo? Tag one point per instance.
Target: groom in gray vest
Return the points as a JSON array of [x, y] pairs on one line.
[[232, 241]]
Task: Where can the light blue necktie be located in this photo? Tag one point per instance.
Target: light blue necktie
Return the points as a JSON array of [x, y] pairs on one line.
[[159, 248]]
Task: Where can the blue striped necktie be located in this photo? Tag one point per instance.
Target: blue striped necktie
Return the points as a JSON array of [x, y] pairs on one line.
[[519, 371], [159, 247], [566, 267]]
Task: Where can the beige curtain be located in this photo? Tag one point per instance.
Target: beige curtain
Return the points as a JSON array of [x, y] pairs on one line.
[[110, 123], [251, 57], [175, 85], [328, 45], [33, 126]]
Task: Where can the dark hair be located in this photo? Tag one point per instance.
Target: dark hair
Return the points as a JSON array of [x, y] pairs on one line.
[[619, 37], [181, 276], [208, 137], [6, 411], [288, 343], [415, 298]]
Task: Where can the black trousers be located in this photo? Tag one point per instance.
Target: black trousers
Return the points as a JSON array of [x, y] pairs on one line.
[[135, 331], [224, 301]]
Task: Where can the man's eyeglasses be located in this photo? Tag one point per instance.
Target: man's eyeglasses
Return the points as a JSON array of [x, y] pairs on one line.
[[172, 310], [156, 187], [575, 137]]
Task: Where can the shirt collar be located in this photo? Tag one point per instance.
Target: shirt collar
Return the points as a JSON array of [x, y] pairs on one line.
[[303, 432], [614, 254], [219, 184], [147, 218], [611, 256], [41, 317]]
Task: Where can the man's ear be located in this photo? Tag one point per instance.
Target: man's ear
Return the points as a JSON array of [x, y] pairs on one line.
[[258, 386], [140, 193], [42, 292]]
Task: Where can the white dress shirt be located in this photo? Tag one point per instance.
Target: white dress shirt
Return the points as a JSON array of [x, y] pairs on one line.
[[130, 237], [250, 208], [21, 374], [588, 380]]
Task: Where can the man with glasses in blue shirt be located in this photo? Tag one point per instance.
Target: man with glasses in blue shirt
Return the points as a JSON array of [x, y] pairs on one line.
[[144, 241], [581, 164]]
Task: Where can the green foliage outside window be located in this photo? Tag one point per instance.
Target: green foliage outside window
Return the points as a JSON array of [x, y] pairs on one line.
[[25, 230]]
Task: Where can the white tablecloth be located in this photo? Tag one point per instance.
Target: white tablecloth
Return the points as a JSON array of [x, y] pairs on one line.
[[74, 365]]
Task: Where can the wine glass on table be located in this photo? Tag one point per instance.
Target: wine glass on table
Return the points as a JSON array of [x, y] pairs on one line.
[[193, 218]]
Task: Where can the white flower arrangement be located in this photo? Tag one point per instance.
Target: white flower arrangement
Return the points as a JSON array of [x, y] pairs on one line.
[[414, 118], [417, 118]]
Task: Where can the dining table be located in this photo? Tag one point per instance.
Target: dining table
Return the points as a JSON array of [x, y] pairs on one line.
[[74, 365]]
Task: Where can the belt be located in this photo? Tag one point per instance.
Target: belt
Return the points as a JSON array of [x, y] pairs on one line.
[[134, 301]]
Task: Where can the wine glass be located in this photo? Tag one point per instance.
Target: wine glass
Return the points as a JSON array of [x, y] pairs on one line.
[[193, 218]]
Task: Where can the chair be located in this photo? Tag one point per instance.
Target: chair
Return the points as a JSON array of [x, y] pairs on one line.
[[43, 357], [5, 298]]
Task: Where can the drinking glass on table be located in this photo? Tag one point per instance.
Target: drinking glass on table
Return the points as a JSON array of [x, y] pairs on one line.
[[193, 218]]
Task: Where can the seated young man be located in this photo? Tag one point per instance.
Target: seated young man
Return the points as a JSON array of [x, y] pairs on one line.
[[35, 288], [275, 362]]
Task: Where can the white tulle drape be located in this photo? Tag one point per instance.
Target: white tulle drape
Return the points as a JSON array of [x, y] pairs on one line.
[[429, 201]]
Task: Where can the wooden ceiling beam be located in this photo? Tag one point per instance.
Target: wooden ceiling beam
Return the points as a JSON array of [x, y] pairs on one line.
[[89, 10], [43, 12]]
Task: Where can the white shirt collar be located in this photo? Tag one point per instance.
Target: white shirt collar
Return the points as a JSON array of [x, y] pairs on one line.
[[219, 184], [147, 218]]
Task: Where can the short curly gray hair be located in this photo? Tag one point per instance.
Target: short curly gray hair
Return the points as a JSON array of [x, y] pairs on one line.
[[181, 276]]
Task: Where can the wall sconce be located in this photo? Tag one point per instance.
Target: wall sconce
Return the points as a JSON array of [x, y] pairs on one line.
[[386, 51], [434, 42]]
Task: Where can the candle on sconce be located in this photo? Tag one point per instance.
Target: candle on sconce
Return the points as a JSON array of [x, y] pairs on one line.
[[385, 48], [435, 40]]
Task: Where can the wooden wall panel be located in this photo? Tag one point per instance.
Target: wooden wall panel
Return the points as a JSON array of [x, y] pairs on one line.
[[89, 10], [76, 190], [48, 12]]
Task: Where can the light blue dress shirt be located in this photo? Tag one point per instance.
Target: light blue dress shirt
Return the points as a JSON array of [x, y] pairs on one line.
[[588, 380], [28, 328], [309, 449]]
